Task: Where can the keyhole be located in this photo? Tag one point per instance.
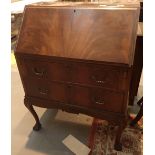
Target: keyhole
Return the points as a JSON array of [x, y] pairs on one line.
[[74, 10]]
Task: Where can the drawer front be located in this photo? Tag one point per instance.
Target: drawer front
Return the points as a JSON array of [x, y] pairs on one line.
[[50, 91], [51, 71], [99, 75], [97, 98], [75, 72]]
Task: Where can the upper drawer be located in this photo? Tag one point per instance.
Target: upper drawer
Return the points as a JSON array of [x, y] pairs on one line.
[[52, 71], [99, 75], [75, 72]]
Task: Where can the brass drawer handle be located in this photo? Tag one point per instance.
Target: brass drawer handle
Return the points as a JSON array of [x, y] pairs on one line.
[[97, 81], [43, 91], [100, 101], [38, 72]]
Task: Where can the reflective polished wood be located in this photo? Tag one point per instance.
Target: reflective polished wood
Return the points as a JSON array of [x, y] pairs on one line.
[[78, 57]]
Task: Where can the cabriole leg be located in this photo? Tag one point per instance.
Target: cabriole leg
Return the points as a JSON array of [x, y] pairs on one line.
[[118, 144], [37, 125]]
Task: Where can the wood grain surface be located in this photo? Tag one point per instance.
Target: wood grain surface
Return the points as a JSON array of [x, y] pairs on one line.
[[89, 33], [78, 58]]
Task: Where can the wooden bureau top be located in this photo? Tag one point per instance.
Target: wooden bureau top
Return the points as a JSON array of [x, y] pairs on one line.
[[88, 31], [94, 4]]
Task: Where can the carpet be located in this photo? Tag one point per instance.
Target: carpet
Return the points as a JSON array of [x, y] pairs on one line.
[[102, 137]]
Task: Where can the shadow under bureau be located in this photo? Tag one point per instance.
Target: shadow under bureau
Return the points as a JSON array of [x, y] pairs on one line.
[[78, 57]]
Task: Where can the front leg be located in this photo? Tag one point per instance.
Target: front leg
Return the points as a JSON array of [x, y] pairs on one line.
[[118, 144], [37, 125]]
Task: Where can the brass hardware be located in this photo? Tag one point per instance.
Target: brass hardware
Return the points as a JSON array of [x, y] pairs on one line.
[[43, 91], [98, 101], [38, 72], [97, 81]]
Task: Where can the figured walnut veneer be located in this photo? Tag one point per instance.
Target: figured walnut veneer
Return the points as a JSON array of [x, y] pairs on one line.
[[104, 35], [78, 58]]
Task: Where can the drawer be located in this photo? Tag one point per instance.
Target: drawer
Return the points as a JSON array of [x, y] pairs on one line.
[[99, 75], [44, 90], [76, 72], [97, 98], [52, 71]]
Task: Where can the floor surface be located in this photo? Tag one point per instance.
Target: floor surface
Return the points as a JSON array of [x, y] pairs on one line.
[[57, 125]]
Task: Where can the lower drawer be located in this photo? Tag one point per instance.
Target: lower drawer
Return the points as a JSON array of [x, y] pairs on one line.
[[97, 98], [44, 90], [90, 97]]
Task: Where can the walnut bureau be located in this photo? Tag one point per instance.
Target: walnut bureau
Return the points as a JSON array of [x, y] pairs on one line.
[[78, 57]]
